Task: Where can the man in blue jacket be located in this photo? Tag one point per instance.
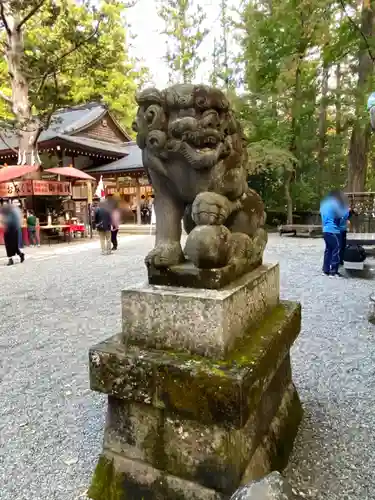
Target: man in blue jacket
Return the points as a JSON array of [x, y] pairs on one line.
[[332, 211]]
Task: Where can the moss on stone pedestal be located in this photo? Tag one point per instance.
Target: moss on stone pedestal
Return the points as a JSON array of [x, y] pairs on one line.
[[214, 456], [221, 392], [288, 432], [106, 484], [142, 482]]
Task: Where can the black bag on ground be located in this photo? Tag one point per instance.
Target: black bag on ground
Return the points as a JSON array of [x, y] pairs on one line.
[[354, 253]]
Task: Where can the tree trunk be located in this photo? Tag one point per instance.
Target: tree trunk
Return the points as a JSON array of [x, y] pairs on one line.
[[358, 157], [338, 100], [360, 137], [224, 27], [295, 127], [322, 129], [288, 196], [28, 127]]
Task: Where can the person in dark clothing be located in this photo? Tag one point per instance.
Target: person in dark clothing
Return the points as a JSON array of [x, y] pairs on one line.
[[116, 219], [332, 212], [31, 229], [103, 222], [145, 211], [11, 234]]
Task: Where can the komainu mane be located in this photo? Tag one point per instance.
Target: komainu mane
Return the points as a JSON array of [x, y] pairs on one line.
[[194, 153]]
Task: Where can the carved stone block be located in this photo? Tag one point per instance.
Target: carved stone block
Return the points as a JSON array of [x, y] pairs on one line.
[[204, 322], [190, 276]]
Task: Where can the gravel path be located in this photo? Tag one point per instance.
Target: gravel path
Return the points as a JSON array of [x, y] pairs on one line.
[[62, 301]]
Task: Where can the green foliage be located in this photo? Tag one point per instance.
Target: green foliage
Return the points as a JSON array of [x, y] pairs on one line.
[[291, 126], [269, 165], [183, 21], [265, 155], [75, 53], [223, 60]]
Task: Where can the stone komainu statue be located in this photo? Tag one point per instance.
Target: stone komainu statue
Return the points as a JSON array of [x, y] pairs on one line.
[[194, 153]]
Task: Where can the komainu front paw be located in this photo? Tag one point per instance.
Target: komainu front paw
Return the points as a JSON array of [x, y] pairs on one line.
[[164, 255], [210, 209]]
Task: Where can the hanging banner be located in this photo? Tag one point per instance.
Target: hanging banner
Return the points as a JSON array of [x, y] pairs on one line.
[[89, 192], [51, 188], [16, 189], [21, 189], [100, 190]]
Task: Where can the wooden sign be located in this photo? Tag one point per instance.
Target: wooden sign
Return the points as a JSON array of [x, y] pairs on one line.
[[21, 189], [89, 192], [16, 189], [51, 188]]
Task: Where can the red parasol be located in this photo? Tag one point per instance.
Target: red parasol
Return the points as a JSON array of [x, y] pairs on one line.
[[13, 172], [71, 172]]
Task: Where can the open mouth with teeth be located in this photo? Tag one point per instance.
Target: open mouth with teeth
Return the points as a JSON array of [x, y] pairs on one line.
[[204, 151], [202, 147], [203, 140]]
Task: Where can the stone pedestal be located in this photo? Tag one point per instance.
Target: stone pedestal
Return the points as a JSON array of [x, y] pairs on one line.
[[198, 321], [200, 392]]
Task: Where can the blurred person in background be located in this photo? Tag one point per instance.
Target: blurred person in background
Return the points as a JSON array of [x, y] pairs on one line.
[[103, 223], [31, 222], [18, 213], [332, 211], [115, 224], [12, 228]]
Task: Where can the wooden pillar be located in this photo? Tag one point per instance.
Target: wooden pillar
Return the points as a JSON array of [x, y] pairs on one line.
[[138, 198]]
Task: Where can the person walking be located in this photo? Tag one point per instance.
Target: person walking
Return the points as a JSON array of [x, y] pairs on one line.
[[332, 212], [31, 229], [18, 213], [102, 222], [11, 234], [115, 225]]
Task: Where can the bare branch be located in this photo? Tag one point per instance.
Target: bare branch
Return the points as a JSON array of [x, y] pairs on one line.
[[30, 14], [3, 17], [54, 69], [6, 143], [130, 4], [42, 82], [355, 25], [54, 105], [5, 98], [77, 46]]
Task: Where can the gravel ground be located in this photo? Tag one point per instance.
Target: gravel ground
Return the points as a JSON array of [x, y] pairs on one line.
[[65, 299]]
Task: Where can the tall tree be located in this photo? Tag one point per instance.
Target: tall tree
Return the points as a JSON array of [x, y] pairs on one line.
[[58, 53], [361, 132], [223, 65], [281, 81], [322, 127], [183, 26]]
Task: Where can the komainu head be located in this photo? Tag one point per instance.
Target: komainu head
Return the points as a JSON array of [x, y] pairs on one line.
[[188, 124]]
